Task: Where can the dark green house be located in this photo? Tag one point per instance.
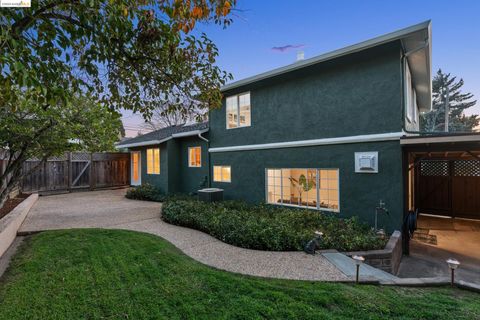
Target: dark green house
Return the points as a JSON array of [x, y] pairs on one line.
[[322, 133]]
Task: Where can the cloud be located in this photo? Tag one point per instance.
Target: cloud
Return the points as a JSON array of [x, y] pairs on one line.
[[288, 47]]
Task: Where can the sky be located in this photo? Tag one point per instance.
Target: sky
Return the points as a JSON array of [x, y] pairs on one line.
[[267, 34]]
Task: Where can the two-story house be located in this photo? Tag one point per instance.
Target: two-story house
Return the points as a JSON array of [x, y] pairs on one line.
[[322, 133]]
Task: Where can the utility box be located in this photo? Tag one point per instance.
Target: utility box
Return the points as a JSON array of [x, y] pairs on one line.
[[210, 194], [366, 162]]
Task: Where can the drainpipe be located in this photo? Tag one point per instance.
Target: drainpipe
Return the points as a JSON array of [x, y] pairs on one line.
[[209, 184]]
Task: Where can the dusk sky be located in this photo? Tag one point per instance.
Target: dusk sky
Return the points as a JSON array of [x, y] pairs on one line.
[[267, 35]]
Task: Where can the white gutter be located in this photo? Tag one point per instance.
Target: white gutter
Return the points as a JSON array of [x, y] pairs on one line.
[[153, 142], [189, 133], [142, 143], [441, 139], [392, 136]]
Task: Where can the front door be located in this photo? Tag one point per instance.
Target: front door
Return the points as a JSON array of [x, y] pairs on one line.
[[136, 170]]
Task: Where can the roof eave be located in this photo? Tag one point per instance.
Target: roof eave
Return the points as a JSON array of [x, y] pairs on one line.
[[396, 35]]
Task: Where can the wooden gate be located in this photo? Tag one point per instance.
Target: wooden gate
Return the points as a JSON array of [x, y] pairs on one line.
[[78, 170], [449, 188]]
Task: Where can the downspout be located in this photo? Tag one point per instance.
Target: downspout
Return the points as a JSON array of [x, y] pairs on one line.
[[209, 184]]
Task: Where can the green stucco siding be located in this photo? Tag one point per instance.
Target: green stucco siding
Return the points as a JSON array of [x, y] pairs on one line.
[[158, 180], [354, 95], [360, 193], [175, 174]]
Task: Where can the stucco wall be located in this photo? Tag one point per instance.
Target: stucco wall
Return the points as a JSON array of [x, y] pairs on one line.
[[360, 193], [159, 180], [354, 95], [175, 174]]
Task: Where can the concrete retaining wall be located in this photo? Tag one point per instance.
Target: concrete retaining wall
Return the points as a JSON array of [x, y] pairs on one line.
[[387, 259], [10, 224]]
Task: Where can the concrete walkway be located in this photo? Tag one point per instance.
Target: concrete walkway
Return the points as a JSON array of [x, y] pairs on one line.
[[110, 209]]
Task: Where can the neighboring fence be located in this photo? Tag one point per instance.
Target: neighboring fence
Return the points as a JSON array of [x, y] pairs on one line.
[[78, 170]]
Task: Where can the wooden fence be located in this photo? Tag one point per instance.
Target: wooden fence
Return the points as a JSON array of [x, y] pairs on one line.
[[78, 170]]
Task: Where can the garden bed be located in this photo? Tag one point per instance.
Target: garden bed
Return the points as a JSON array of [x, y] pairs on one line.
[[265, 227], [10, 204]]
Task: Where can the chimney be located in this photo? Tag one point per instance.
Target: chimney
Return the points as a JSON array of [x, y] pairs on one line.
[[300, 55]]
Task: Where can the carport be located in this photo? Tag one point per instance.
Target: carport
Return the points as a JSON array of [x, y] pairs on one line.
[[442, 184]]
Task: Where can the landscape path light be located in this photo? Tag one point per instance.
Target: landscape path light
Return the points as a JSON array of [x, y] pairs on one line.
[[453, 265], [358, 261]]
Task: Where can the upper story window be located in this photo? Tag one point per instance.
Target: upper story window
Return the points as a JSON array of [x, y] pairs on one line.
[[153, 161], [195, 157], [410, 97], [238, 111]]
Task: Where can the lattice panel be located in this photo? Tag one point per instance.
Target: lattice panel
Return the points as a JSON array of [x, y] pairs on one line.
[[80, 156], [466, 168], [434, 168]]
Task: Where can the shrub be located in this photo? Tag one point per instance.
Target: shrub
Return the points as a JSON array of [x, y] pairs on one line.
[[266, 227], [145, 192]]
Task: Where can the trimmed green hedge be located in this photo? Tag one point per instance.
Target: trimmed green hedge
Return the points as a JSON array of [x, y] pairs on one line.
[[266, 227], [146, 192]]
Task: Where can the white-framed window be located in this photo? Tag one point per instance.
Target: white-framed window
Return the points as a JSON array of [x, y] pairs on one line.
[[222, 174], [195, 157], [153, 161], [410, 97], [238, 111], [308, 188]]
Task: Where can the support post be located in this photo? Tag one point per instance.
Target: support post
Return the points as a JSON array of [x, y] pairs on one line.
[[70, 172], [92, 173]]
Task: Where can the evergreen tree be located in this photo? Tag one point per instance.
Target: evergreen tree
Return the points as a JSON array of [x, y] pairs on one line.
[[434, 120]]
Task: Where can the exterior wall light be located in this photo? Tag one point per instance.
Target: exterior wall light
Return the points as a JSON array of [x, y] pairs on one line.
[[453, 264], [358, 261]]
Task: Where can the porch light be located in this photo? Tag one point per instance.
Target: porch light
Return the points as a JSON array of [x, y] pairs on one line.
[[453, 265], [358, 261]]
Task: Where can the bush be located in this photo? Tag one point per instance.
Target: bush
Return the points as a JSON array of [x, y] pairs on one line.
[[266, 227], [145, 192]]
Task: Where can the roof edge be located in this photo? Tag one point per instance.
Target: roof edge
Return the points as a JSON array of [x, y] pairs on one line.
[[389, 37]]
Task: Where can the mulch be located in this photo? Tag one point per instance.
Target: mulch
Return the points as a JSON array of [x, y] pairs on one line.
[[10, 204]]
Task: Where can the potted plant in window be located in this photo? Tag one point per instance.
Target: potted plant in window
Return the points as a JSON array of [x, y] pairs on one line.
[[302, 185]]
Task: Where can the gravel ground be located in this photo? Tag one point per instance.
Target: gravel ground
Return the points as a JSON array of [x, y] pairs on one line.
[[110, 209]]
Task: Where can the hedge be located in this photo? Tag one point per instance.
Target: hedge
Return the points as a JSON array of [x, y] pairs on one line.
[[146, 192], [266, 227]]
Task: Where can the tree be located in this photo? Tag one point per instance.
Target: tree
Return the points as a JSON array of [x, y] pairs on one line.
[[173, 114], [434, 120], [119, 53], [32, 131]]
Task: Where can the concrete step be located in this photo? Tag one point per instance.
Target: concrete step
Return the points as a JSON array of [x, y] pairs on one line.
[[348, 267]]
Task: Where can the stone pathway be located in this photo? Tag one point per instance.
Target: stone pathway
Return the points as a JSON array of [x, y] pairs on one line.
[[110, 209]]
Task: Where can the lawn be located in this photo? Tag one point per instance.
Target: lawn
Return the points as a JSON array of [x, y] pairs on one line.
[[110, 274]]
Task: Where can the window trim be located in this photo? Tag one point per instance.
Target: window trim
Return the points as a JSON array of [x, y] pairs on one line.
[[159, 161], [189, 162], [318, 208], [221, 167], [238, 110]]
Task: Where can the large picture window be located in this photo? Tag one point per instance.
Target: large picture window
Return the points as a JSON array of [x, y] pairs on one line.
[[309, 188], [222, 174], [238, 111], [153, 161]]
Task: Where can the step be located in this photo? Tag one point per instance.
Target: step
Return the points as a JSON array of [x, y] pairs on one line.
[[348, 267]]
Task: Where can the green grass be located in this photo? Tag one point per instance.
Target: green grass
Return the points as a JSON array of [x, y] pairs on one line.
[[111, 274]]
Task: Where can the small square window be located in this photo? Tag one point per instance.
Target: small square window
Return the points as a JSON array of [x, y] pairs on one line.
[[222, 174]]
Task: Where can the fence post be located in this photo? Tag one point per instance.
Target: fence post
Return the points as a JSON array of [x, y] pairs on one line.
[[70, 172], [92, 173]]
